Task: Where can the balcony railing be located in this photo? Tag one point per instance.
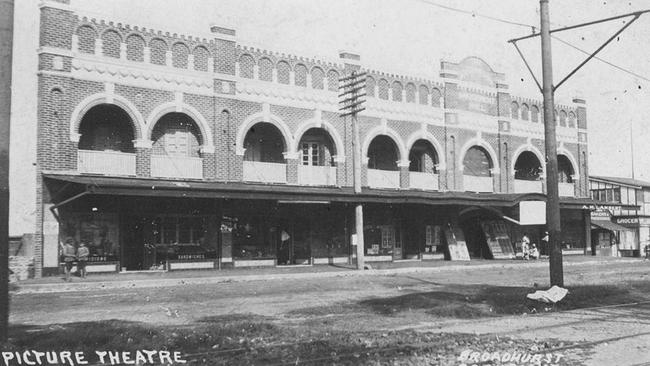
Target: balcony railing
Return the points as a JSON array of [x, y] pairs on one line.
[[426, 181], [477, 184], [257, 171], [383, 178], [566, 189], [105, 162], [176, 167], [528, 186], [317, 175]]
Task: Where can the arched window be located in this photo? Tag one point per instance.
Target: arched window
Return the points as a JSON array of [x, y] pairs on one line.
[[180, 53], [572, 120], [382, 89], [264, 143], [534, 114], [135, 48], [477, 162], [423, 157], [514, 110], [86, 36], [435, 97], [246, 65], [158, 49], [317, 76], [106, 127], [562, 118], [524, 112], [410, 93], [317, 148], [111, 41], [397, 91], [265, 69], [528, 166], [332, 80], [370, 86], [424, 94], [201, 56], [300, 72], [284, 70], [383, 153], [176, 134], [565, 169]]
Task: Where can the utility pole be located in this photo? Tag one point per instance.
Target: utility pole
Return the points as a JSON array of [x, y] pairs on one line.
[[6, 44], [552, 191], [353, 90], [548, 89]]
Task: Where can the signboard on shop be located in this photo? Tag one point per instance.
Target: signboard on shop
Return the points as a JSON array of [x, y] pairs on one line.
[[532, 213]]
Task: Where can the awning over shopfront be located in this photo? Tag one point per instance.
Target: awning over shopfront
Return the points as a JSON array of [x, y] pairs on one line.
[[608, 225], [149, 187]]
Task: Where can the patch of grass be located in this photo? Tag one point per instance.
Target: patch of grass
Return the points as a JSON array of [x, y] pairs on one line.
[[252, 342]]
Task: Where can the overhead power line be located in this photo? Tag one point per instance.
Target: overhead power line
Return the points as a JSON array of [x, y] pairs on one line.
[[475, 14], [602, 60], [534, 28]]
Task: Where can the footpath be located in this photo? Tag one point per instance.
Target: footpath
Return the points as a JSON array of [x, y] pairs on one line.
[[127, 280]]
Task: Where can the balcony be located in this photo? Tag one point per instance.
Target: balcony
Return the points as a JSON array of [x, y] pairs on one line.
[[316, 175], [257, 171], [566, 189], [176, 167], [383, 178], [528, 186], [478, 184], [105, 162], [424, 181]]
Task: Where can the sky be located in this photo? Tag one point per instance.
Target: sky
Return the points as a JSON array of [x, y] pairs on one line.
[[405, 37], [411, 37]]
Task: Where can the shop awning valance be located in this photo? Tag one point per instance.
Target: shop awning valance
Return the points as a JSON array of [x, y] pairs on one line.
[[608, 225], [156, 187]]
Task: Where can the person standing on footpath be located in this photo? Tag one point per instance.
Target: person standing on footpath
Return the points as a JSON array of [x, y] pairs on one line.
[[82, 258], [69, 256], [525, 246]]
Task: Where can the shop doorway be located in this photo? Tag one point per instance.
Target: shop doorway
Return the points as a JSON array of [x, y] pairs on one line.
[[134, 257], [475, 238]]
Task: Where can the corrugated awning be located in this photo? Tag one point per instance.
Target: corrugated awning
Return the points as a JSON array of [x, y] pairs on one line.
[[148, 187], [608, 225]]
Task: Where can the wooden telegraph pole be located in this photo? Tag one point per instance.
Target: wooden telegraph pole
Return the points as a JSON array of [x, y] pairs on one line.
[[548, 89], [352, 91], [552, 190], [6, 42]]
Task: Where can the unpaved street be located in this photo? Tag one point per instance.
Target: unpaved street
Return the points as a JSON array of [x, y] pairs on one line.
[[603, 321]]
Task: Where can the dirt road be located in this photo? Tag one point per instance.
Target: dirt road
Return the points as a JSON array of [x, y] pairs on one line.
[[603, 321]]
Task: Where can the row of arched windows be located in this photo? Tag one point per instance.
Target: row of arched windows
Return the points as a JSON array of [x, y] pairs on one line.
[[321, 79], [111, 46], [532, 114]]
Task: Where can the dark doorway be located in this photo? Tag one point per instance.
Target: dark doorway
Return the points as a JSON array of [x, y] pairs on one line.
[[475, 238]]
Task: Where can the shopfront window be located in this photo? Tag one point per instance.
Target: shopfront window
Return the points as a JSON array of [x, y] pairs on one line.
[[253, 238], [99, 231], [182, 237]]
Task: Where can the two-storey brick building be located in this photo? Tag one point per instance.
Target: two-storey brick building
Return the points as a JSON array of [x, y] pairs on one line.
[[169, 151]]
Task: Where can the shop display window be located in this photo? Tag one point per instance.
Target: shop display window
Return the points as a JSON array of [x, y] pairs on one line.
[[253, 239], [433, 239], [182, 238], [381, 239], [99, 231]]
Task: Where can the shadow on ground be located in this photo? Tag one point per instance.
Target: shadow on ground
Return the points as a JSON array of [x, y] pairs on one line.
[[476, 301]]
